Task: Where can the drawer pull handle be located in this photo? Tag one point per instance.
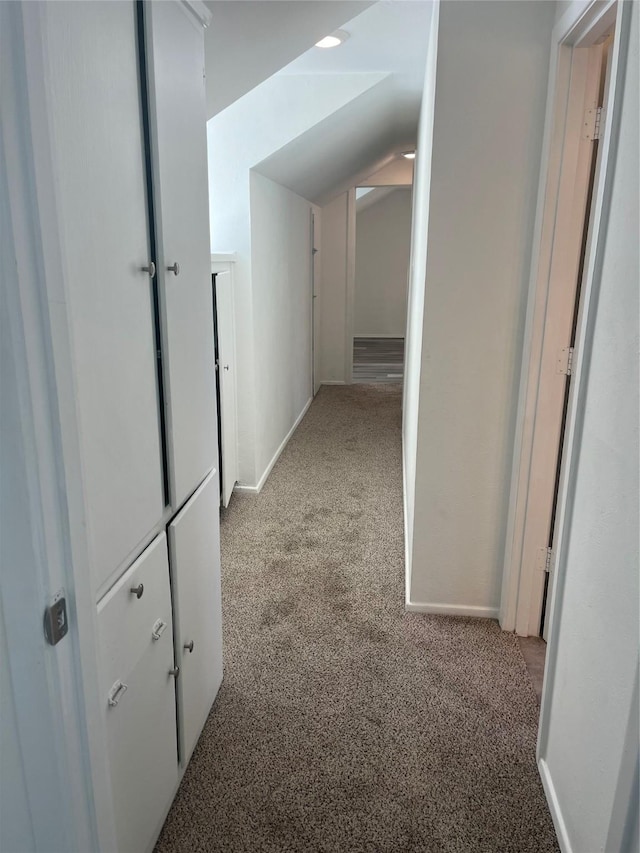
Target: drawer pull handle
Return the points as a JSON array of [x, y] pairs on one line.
[[115, 694], [151, 269], [175, 672], [137, 590], [189, 647], [174, 268], [158, 629]]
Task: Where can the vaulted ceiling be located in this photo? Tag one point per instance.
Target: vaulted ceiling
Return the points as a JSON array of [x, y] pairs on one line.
[[365, 131], [249, 40]]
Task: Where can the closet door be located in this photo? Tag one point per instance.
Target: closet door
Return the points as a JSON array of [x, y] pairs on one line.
[[194, 543], [175, 51], [98, 161], [136, 644]]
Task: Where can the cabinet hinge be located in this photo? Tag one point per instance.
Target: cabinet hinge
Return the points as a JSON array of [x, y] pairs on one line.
[[592, 123], [565, 361], [544, 560]]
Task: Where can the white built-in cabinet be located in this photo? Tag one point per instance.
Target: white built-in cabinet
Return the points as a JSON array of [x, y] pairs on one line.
[[127, 115], [192, 539]]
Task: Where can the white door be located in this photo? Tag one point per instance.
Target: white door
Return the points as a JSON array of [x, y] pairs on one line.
[[194, 542], [227, 379], [98, 160], [178, 117], [136, 645]]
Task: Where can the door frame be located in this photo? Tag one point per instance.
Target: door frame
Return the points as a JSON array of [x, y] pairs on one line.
[[316, 308], [350, 288], [581, 26], [224, 264]]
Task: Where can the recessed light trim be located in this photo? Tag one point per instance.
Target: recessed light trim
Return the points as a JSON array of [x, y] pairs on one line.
[[336, 38], [410, 155]]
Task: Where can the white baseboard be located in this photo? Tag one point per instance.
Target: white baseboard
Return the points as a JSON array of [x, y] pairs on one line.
[[554, 807], [241, 487], [333, 382], [452, 609]]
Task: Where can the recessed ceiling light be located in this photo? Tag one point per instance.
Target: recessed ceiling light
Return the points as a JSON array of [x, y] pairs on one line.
[[334, 39], [410, 155]]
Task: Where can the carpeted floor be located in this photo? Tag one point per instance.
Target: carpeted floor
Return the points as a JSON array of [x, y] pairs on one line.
[[345, 724]]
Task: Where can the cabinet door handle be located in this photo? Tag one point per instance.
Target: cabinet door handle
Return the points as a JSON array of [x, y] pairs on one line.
[[116, 692], [151, 269], [137, 590], [158, 629], [189, 647], [175, 672], [174, 268]]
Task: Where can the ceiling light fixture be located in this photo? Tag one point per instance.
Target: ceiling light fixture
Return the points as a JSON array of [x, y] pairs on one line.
[[334, 39], [410, 155]]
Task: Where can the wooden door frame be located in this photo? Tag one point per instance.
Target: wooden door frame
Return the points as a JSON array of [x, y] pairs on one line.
[[583, 25], [350, 289]]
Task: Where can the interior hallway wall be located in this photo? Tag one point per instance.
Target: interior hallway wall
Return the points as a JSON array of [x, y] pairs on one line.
[[589, 722], [492, 69], [281, 284], [383, 238], [240, 137], [415, 295]]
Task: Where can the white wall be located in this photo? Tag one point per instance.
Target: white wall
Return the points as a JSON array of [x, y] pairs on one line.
[[281, 285], [337, 252], [492, 68], [589, 727], [415, 296], [240, 137], [383, 238]]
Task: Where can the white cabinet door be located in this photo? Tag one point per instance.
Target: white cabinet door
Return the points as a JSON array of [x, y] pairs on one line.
[[175, 49], [98, 162], [225, 326], [136, 650], [194, 542]]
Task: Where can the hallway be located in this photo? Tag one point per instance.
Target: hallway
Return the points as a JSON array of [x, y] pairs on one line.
[[343, 723]]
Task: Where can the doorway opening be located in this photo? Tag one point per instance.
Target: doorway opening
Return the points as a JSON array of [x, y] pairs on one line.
[[570, 210], [383, 238]]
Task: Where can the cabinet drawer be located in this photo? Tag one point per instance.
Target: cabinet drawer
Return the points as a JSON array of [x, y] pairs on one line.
[[139, 696], [194, 541]]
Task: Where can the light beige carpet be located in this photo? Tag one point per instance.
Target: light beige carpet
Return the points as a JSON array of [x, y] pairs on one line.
[[345, 724]]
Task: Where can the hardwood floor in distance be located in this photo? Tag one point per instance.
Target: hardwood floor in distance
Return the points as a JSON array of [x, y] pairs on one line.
[[378, 360]]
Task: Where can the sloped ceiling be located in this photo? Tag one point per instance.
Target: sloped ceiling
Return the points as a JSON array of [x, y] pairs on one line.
[[370, 131], [250, 40], [374, 80], [357, 139]]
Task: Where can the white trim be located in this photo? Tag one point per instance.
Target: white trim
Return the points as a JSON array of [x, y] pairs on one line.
[[451, 609], [242, 487], [332, 382], [554, 807], [350, 286], [223, 258]]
